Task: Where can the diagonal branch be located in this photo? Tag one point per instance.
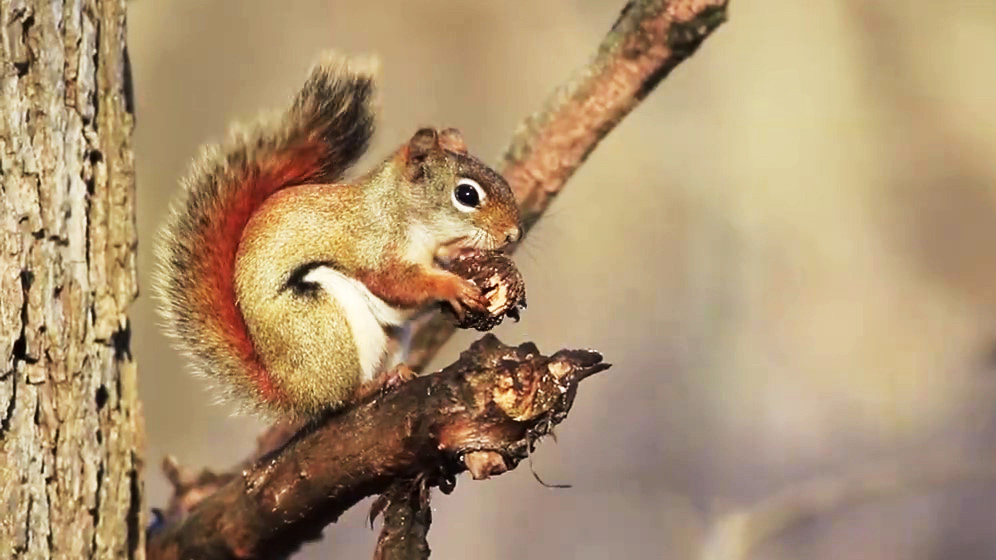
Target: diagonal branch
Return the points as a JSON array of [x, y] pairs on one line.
[[650, 38], [495, 400], [735, 535]]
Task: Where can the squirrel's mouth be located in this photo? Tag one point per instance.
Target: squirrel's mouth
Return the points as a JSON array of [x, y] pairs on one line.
[[449, 250]]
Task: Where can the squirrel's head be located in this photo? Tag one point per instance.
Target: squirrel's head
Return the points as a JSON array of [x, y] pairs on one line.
[[467, 204]]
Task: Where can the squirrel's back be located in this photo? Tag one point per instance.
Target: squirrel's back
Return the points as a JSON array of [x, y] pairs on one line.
[[325, 131]]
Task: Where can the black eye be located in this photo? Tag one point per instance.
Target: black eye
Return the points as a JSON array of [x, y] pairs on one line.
[[467, 195]]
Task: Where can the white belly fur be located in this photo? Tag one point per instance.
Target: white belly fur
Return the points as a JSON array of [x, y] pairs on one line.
[[366, 314]]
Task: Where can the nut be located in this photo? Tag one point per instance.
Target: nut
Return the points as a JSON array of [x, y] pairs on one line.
[[500, 282]]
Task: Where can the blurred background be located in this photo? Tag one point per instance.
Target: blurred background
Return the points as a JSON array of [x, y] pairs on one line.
[[788, 251]]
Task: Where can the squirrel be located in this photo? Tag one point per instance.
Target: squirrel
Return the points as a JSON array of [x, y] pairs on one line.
[[283, 283]]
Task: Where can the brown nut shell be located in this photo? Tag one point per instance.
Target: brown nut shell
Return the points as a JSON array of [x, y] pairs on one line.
[[500, 282]]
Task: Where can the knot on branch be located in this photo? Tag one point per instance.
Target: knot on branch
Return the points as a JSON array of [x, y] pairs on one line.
[[518, 395]]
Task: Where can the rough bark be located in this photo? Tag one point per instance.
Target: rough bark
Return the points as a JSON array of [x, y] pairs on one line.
[[70, 425]]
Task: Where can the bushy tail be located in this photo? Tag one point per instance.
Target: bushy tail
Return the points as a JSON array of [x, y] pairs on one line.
[[324, 132]]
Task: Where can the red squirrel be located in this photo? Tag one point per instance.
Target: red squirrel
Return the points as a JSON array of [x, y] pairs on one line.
[[281, 282]]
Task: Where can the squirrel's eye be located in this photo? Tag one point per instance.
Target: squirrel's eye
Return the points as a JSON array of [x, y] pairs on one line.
[[467, 195]]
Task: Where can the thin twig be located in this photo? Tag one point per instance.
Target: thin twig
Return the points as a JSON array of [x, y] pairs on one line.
[[736, 534]]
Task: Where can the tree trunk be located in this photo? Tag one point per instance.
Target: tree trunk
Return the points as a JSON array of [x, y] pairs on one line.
[[70, 423]]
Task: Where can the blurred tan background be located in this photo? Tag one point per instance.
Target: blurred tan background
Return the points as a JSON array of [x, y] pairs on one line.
[[788, 251]]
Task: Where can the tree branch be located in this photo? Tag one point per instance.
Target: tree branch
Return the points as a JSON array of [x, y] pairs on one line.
[[495, 399], [650, 38], [406, 513]]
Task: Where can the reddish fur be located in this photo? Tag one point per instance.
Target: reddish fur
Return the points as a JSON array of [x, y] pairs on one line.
[[221, 240], [409, 286]]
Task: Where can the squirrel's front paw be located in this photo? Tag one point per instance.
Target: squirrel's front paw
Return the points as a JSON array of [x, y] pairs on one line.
[[462, 294]]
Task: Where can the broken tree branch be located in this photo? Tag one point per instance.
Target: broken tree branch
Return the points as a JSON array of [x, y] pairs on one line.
[[495, 399], [406, 513]]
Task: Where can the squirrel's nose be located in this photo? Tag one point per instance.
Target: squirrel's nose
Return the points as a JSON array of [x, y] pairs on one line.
[[513, 234]]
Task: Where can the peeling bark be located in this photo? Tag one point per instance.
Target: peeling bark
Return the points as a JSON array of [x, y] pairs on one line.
[[70, 425]]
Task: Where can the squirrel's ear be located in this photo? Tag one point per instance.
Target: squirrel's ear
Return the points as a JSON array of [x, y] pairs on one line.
[[423, 141], [451, 140]]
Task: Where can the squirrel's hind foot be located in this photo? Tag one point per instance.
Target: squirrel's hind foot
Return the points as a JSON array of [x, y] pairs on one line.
[[385, 382]]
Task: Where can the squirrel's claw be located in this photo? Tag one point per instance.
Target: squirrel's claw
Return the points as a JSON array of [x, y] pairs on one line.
[[396, 377], [385, 382], [467, 296]]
